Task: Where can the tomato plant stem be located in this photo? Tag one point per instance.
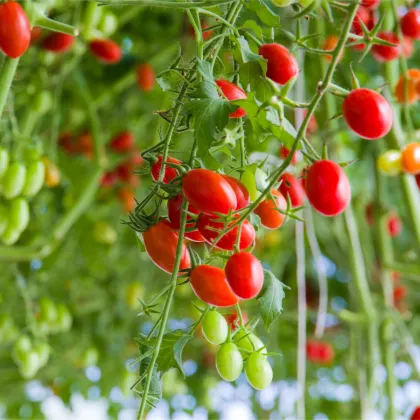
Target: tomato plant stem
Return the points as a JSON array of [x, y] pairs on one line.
[[6, 77]]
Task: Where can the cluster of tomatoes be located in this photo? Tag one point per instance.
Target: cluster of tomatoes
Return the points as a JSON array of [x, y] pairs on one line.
[[393, 162], [32, 354], [20, 180]]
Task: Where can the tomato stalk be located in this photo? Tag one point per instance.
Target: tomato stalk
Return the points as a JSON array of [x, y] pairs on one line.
[[6, 77]]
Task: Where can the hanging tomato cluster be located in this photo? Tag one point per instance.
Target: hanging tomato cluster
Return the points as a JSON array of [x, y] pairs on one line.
[[20, 180]]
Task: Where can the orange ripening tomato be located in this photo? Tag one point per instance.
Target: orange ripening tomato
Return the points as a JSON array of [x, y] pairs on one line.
[[329, 45], [161, 242], [410, 83], [145, 77], [126, 197], [410, 158], [52, 173], [268, 211]]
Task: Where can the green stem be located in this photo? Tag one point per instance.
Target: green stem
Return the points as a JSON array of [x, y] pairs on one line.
[[55, 26], [6, 77]]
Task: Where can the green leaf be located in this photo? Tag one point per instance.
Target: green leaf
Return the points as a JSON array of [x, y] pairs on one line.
[[204, 68], [264, 12], [210, 113], [253, 26], [244, 54], [170, 353], [170, 80], [140, 242], [155, 388], [271, 298]]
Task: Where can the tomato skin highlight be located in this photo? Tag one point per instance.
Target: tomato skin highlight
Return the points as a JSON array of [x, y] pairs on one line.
[[106, 51], [210, 285], [281, 63], [161, 241], [227, 242], [292, 187], [328, 188], [242, 194], [15, 30], [170, 173], [410, 24], [245, 275], [384, 53], [208, 192], [367, 113], [58, 42], [232, 93], [122, 142], [410, 158], [270, 217], [146, 78]]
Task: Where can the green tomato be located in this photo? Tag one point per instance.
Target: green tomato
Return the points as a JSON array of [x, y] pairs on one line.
[[31, 154], [104, 233], [35, 176], [14, 180], [64, 318], [229, 362], [48, 311], [249, 342], [10, 236], [29, 364], [43, 350], [4, 218], [258, 371], [109, 23], [215, 328], [4, 161], [282, 3], [389, 163], [42, 102], [18, 215], [22, 346]]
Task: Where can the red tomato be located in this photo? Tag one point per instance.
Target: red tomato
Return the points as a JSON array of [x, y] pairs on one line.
[[170, 173], [210, 285], [66, 142], [232, 93], [228, 241], [122, 142], [242, 194], [319, 352], [284, 152], [124, 171], [126, 197], [105, 50], [410, 24], [206, 34], [109, 179], [293, 188], [416, 414], [245, 275], [410, 158], [84, 145], [312, 126], [370, 4], [15, 31], [233, 320], [58, 42], [367, 113], [386, 53], [174, 215], [394, 225], [328, 188], [281, 63], [270, 217], [146, 78], [36, 33], [161, 241], [400, 292], [208, 192]]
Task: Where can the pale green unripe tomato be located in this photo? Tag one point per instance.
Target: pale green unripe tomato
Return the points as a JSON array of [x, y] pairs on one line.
[[215, 328], [14, 180], [229, 362], [258, 371], [34, 180], [18, 215], [389, 163], [4, 161]]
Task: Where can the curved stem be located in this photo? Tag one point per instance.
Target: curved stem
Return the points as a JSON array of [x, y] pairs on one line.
[[6, 77]]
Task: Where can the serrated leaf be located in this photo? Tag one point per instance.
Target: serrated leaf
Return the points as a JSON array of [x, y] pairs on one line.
[[178, 349], [155, 388], [205, 90], [271, 298], [264, 12], [244, 54], [204, 68], [252, 76], [169, 80], [169, 354]]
